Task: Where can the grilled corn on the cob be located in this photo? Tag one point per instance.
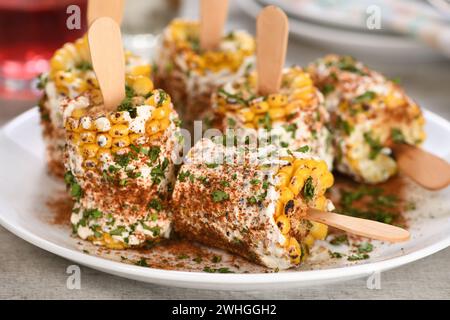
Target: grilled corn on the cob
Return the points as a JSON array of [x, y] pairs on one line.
[[369, 112], [120, 167], [70, 75], [252, 207], [190, 75], [294, 118]]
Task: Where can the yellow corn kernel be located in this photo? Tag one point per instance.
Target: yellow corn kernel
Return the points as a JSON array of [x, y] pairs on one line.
[[291, 108], [118, 117], [96, 97], [283, 224], [78, 113], [286, 194], [87, 137], [259, 107], [309, 240], [250, 125], [118, 130], [279, 209], [59, 60], [144, 70], [152, 127], [164, 124], [104, 141], [142, 85], [75, 138], [89, 150], [302, 80], [136, 139], [394, 99], [246, 114], [104, 155], [121, 142], [276, 113], [156, 136], [80, 85], [327, 180], [302, 173], [90, 163], [159, 99], [283, 178], [111, 243], [161, 112], [299, 163], [304, 94], [319, 231], [288, 169], [296, 184], [320, 203], [294, 250], [277, 100]]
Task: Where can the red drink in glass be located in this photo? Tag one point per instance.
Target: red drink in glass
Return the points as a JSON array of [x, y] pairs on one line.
[[30, 32]]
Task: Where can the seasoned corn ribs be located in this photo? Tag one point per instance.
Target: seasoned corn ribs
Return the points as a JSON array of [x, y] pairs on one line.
[[191, 75], [250, 204], [120, 167], [368, 113], [70, 75], [293, 118]]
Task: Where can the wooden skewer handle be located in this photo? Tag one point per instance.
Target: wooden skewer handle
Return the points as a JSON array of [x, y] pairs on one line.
[[213, 15], [361, 227]]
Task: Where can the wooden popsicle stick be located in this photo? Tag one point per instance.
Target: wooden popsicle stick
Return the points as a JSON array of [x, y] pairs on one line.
[[272, 30], [213, 15], [105, 8], [361, 227], [426, 169], [108, 60]]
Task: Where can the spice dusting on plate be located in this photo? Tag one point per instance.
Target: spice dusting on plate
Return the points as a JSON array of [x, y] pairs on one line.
[[60, 208], [384, 202]]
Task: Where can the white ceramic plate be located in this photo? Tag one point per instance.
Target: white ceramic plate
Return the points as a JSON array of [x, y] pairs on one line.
[[25, 187], [339, 39]]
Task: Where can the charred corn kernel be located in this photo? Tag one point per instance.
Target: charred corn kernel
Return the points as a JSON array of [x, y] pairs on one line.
[[260, 107], [87, 137], [283, 178], [90, 163], [104, 141], [136, 139], [152, 127], [309, 241], [142, 85], [121, 142], [78, 113], [286, 194], [276, 113], [283, 224], [104, 155], [246, 114], [119, 117], [144, 70], [72, 125], [296, 184], [75, 138], [89, 150], [277, 100], [118, 130], [294, 250], [161, 112], [318, 231], [164, 124]]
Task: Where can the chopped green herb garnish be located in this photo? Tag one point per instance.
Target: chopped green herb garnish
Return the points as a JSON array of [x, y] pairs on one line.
[[303, 149], [219, 195], [366, 97], [308, 190], [365, 247], [339, 240], [397, 135], [375, 145], [358, 256]]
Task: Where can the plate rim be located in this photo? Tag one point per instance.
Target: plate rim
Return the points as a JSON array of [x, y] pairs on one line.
[[199, 279]]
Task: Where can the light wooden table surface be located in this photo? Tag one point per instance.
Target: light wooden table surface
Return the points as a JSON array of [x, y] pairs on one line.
[[27, 272]]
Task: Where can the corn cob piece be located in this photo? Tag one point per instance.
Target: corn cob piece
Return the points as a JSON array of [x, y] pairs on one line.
[[190, 75], [120, 167], [70, 75], [294, 118], [369, 112], [251, 204]]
